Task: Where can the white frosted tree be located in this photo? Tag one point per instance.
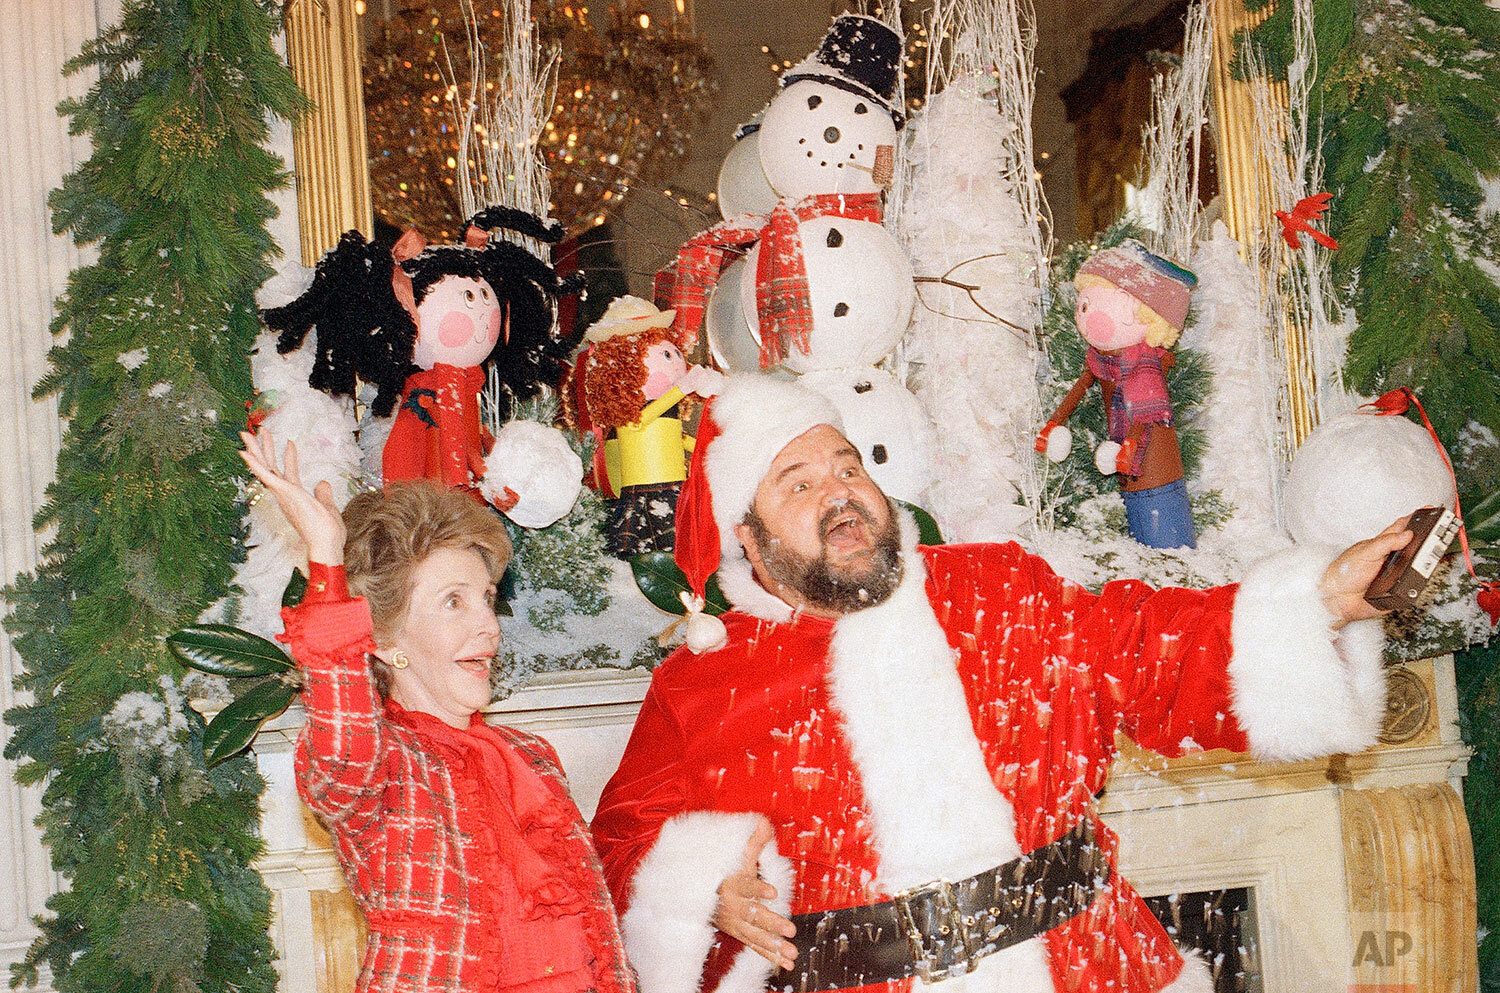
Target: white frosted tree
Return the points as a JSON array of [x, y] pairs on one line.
[[1241, 457], [970, 349]]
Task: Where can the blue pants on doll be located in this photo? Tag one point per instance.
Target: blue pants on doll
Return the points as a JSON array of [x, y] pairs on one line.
[[1160, 517]]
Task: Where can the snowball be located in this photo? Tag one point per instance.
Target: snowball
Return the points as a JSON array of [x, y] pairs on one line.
[[1106, 456], [1357, 473], [1059, 443], [536, 462]]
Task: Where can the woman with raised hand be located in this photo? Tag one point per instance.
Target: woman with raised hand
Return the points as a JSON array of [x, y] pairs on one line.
[[471, 863]]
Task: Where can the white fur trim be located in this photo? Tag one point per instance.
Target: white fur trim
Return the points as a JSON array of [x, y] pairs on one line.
[[740, 587], [757, 417], [934, 810], [1194, 977], [668, 929], [1299, 689]]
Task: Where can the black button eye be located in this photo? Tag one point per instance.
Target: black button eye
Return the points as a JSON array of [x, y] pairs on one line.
[[860, 108], [840, 309], [835, 238], [863, 386], [813, 101], [878, 455]]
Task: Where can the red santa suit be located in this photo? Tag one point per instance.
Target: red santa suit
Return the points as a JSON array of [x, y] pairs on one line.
[[968, 719]]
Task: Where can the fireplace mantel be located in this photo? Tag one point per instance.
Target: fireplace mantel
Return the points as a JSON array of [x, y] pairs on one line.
[[1337, 852]]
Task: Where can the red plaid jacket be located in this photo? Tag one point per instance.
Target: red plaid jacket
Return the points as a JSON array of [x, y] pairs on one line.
[[414, 824]]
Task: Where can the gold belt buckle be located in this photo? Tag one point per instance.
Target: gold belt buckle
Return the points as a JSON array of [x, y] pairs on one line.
[[933, 907]]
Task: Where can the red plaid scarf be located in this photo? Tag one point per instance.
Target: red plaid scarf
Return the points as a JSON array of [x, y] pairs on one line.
[[1140, 394], [781, 298]]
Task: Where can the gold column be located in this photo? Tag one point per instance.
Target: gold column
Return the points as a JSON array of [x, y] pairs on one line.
[[1409, 865], [333, 177], [1243, 179], [339, 936], [1245, 183]]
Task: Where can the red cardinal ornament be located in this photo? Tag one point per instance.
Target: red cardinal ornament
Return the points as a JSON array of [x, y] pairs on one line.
[[1308, 209]]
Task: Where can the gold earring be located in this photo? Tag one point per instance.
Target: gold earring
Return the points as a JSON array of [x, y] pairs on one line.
[[399, 659]]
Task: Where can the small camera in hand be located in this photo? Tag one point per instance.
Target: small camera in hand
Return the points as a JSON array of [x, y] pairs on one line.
[[1406, 572]]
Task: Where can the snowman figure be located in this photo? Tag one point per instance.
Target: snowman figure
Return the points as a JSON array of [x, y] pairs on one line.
[[887, 423], [859, 291], [825, 285], [835, 111], [820, 138]]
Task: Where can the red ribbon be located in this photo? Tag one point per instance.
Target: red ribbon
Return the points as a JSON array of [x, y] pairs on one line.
[[1399, 401]]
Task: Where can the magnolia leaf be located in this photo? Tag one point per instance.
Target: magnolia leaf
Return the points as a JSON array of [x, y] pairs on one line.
[[296, 588], [660, 579], [927, 528], [232, 730], [228, 651], [1483, 520]]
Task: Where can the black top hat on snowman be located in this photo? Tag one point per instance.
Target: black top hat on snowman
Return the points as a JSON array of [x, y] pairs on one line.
[[859, 54]]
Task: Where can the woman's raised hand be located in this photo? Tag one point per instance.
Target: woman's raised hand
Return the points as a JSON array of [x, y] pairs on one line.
[[314, 515]]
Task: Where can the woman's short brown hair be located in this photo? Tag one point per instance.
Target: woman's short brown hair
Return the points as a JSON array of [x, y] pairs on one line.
[[391, 532]]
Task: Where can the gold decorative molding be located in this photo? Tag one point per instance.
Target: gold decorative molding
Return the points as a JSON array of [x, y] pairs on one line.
[[339, 936], [1243, 180], [1409, 866], [1245, 183], [333, 176], [1408, 706]]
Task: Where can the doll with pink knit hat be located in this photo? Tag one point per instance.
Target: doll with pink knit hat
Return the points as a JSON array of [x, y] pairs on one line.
[[1131, 308]]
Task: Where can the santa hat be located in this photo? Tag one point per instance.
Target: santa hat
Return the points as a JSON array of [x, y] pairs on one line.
[[859, 54], [741, 432], [1156, 282]]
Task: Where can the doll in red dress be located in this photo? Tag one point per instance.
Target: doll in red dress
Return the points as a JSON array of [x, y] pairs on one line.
[[423, 324]]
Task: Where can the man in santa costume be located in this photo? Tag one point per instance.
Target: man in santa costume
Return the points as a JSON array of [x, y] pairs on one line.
[[887, 772]]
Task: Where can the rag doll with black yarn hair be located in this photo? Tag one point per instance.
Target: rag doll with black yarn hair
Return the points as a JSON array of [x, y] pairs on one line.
[[421, 324]]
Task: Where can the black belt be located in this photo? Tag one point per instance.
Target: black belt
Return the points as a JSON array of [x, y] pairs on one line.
[[942, 929]]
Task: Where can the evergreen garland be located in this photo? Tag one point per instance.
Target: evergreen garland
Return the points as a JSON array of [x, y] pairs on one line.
[[1408, 96], [156, 850]]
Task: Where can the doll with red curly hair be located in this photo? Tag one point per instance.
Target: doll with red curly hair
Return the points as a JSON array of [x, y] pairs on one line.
[[634, 376]]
